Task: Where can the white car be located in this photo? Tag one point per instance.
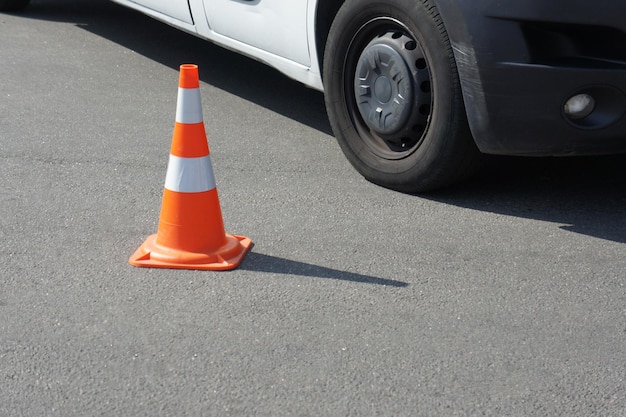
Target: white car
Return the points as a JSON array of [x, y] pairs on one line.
[[417, 90]]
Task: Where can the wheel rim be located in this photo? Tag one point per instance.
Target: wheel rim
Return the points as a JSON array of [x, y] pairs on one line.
[[388, 88]]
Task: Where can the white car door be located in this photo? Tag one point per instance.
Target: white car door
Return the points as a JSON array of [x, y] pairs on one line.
[[275, 26], [176, 9]]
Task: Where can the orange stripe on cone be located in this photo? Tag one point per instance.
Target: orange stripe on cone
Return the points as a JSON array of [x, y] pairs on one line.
[[191, 229], [189, 140]]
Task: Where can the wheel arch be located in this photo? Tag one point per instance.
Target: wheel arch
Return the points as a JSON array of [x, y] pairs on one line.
[[326, 10], [325, 13]]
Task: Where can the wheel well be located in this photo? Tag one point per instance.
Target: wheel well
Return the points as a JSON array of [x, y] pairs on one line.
[[325, 14]]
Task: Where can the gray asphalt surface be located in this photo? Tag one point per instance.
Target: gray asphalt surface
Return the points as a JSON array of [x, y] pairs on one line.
[[503, 296]]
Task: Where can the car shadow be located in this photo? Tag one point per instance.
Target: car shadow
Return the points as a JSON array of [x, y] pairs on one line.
[[219, 67], [585, 195]]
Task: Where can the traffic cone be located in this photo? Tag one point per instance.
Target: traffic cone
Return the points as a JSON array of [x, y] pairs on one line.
[[191, 229]]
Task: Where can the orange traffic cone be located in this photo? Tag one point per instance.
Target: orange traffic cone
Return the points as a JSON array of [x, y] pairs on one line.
[[191, 229]]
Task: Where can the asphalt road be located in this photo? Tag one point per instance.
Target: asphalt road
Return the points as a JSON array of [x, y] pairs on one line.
[[503, 296]]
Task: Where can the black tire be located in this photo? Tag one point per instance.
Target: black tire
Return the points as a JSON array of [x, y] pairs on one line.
[[403, 124], [13, 5]]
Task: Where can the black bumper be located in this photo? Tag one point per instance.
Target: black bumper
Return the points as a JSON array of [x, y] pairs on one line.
[[519, 62]]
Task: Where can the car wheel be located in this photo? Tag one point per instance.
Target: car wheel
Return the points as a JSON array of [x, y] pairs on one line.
[[393, 95], [13, 5]]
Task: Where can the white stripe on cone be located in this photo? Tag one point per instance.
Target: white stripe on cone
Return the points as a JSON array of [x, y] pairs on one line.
[[190, 175], [188, 107]]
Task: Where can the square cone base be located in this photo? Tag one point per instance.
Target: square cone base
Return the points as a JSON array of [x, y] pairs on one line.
[[152, 255]]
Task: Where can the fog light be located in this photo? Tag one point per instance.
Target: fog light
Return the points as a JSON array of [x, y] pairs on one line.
[[579, 106]]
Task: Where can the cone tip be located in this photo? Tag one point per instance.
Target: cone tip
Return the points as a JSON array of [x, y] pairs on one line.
[[189, 76]]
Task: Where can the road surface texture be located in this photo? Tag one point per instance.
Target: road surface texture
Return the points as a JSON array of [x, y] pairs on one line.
[[503, 296]]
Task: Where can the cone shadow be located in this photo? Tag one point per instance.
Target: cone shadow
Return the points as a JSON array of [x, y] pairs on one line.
[[265, 263]]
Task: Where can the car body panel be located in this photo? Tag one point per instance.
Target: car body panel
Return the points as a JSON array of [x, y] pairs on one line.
[[518, 62], [159, 10], [275, 26], [176, 9], [308, 74]]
